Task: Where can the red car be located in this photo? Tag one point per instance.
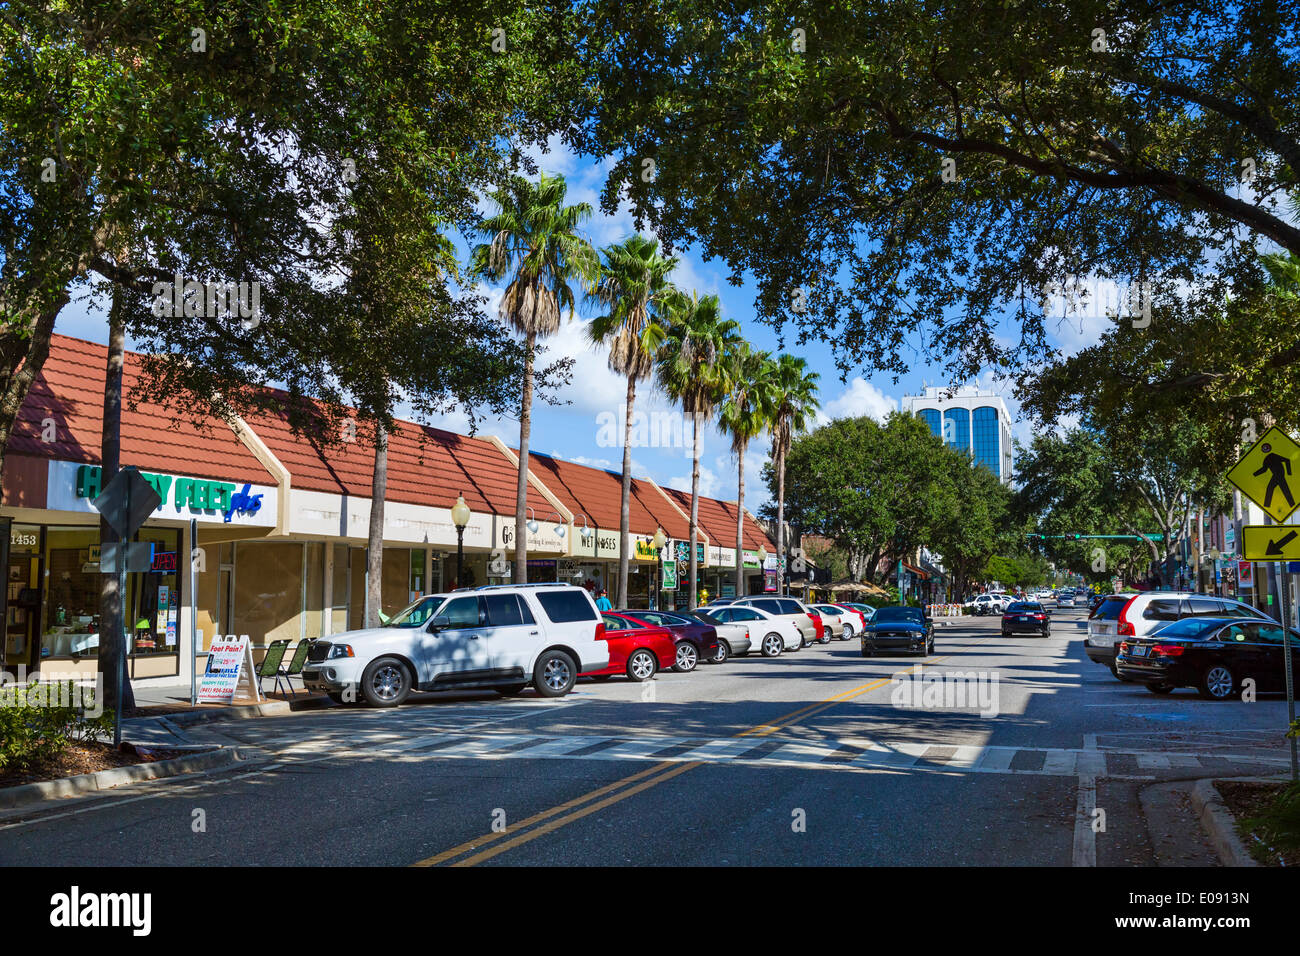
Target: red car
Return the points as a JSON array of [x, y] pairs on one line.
[[635, 649]]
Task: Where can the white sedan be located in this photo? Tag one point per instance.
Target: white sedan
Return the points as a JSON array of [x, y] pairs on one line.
[[767, 633]]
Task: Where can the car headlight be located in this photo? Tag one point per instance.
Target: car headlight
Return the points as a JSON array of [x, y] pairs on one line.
[[341, 650]]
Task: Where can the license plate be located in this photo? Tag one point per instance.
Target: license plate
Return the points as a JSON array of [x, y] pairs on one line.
[[1022, 618], [1140, 651]]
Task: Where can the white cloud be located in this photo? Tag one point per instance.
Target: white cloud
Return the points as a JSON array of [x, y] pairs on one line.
[[860, 398], [708, 482]]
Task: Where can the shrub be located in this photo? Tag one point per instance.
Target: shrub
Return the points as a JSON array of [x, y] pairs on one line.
[[38, 722]]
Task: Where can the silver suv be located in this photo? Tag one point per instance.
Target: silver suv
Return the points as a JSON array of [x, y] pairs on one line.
[[499, 637], [1121, 616]]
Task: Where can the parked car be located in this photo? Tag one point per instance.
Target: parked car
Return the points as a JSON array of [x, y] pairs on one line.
[[502, 637], [898, 628], [840, 622], [1213, 654], [636, 650], [791, 609], [1026, 617], [1121, 616], [696, 641], [987, 604], [767, 633], [855, 619], [733, 639], [832, 628]]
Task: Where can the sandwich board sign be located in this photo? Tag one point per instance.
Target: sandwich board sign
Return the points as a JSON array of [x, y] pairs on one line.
[[1269, 473], [230, 667]]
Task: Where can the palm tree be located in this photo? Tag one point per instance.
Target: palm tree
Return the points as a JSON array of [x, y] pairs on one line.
[[534, 239], [746, 414], [793, 403], [689, 370], [634, 288]]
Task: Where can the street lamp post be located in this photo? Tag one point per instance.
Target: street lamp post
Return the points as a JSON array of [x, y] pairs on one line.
[[762, 565], [659, 540], [460, 515]]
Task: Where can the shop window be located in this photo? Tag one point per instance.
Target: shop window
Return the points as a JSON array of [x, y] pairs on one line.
[[268, 591], [396, 591]]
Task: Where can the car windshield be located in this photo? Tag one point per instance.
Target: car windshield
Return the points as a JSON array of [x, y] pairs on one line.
[[895, 613], [704, 616], [1189, 628], [418, 613]]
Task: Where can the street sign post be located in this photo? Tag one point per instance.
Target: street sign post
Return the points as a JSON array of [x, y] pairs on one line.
[[126, 503], [1269, 473]]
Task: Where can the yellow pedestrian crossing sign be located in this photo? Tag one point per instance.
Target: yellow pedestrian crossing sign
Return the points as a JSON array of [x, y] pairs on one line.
[[1270, 542], [1269, 473]]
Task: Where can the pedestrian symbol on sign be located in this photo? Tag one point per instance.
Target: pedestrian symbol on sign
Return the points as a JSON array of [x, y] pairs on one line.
[[1266, 471]]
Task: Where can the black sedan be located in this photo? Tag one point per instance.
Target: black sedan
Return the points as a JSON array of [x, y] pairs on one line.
[[1216, 655], [1026, 617], [899, 629]]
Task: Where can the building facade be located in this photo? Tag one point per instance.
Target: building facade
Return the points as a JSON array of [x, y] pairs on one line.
[[262, 532], [971, 421]]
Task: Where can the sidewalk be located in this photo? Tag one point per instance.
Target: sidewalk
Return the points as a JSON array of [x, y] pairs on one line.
[[163, 709]]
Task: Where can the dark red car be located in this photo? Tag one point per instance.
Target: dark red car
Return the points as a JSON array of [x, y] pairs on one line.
[[636, 649], [695, 641]]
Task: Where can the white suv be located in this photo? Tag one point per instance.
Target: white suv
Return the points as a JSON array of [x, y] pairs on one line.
[[1121, 616], [500, 637], [989, 603]]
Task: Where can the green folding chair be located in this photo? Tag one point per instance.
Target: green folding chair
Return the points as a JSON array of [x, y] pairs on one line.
[[294, 669], [270, 666]]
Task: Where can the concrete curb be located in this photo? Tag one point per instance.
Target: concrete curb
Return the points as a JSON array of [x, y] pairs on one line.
[[271, 708], [29, 793], [1220, 825]]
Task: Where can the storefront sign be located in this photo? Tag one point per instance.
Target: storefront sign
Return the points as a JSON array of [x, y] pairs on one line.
[[543, 539], [682, 550], [582, 543], [22, 539], [163, 561], [607, 544], [722, 557], [72, 486], [751, 559], [645, 549]]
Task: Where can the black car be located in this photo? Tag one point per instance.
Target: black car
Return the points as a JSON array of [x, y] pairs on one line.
[[1026, 617], [1213, 654], [900, 629]]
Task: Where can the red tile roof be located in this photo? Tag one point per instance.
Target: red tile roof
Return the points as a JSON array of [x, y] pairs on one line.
[[426, 466], [597, 493], [70, 390], [718, 519]]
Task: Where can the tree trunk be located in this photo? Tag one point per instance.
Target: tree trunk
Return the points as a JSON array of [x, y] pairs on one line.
[[740, 527], [112, 610], [375, 541], [695, 501], [780, 523], [625, 500], [521, 490]]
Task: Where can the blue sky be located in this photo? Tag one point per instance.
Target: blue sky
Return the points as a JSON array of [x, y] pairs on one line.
[[578, 430]]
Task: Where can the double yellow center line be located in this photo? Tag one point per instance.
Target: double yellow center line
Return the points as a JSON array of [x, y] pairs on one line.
[[548, 821]]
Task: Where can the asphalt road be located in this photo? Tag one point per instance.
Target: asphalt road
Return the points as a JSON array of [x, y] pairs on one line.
[[817, 757]]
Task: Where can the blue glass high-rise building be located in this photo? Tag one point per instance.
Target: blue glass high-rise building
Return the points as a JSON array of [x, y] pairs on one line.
[[975, 422]]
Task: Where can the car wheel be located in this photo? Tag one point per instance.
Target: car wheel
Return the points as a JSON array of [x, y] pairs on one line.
[[554, 674], [848, 633], [722, 653], [825, 638], [641, 666], [510, 690], [687, 658], [773, 645], [1160, 688], [386, 682], [1217, 683], [930, 649], [1006, 633]]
